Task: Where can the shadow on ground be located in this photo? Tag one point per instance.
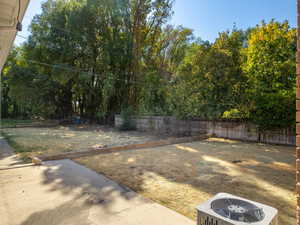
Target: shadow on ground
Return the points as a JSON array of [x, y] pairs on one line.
[[179, 176], [58, 192], [184, 175], [63, 214]]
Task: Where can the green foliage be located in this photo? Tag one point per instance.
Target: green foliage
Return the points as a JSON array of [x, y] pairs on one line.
[[270, 69], [233, 114], [101, 55], [127, 122], [5, 123], [10, 107], [274, 110], [210, 80], [242, 75], [100, 49], [152, 95], [100, 116]]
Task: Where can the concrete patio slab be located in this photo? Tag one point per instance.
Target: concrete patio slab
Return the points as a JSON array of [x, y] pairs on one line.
[[64, 193]]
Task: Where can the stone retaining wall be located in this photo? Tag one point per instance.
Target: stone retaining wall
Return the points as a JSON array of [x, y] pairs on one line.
[[233, 130]]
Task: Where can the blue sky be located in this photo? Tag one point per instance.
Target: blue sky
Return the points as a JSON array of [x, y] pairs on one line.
[[209, 17]]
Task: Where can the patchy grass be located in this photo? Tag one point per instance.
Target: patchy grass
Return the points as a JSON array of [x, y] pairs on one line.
[[182, 176], [14, 122], [23, 151], [35, 141]]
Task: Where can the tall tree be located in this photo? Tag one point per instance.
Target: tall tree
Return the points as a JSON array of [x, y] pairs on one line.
[[99, 67], [209, 81], [270, 69]]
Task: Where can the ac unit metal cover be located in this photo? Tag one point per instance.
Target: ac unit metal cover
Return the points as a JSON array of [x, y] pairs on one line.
[[209, 215]]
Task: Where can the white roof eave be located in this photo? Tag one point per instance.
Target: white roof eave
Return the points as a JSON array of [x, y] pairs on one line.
[[8, 25]]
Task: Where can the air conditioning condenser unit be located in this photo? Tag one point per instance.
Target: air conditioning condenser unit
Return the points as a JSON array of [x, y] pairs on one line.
[[227, 209]]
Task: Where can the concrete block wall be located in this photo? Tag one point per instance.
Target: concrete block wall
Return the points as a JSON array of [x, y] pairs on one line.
[[166, 125], [169, 125]]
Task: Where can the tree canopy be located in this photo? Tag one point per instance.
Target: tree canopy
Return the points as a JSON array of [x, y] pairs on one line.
[[95, 58]]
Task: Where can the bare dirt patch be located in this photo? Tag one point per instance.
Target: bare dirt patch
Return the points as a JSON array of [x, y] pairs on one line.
[[35, 141], [184, 175]]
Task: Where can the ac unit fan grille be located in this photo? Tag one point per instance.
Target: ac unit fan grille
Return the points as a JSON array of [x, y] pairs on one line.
[[237, 210]]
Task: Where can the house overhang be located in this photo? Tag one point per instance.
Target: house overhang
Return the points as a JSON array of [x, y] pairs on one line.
[[10, 12]]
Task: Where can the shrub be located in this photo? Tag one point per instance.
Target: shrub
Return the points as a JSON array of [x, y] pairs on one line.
[[127, 122], [233, 114]]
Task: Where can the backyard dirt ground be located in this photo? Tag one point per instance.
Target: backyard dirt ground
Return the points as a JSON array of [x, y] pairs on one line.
[[184, 175], [34, 141], [177, 176]]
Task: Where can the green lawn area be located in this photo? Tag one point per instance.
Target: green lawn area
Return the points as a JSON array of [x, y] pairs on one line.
[[14, 122]]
